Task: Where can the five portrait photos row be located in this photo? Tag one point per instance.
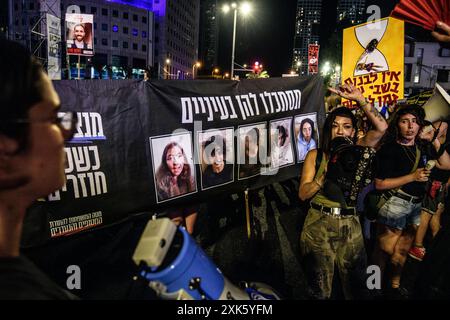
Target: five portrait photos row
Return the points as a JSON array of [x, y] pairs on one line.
[[260, 151]]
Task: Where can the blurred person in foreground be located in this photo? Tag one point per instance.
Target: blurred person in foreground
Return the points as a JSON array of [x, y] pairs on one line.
[[32, 161]]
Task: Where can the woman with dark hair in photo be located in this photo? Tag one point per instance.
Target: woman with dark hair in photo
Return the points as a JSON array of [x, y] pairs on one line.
[[32, 162], [173, 179], [217, 171], [402, 171], [281, 153], [306, 138], [331, 235], [252, 163]]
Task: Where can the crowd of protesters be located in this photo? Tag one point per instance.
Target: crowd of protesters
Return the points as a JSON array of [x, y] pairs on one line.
[[412, 163], [411, 177]]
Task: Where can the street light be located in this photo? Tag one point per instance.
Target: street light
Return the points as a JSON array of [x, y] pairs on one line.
[[166, 68], [215, 70], [196, 65], [245, 10]]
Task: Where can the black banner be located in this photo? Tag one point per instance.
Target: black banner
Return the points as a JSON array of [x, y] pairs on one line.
[[147, 146]]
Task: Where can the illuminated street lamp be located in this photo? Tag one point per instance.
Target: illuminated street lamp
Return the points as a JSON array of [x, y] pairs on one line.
[[215, 70], [196, 65], [226, 75], [245, 9], [166, 68]]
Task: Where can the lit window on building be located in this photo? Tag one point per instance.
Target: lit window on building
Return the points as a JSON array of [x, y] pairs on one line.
[[115, 28], [135, 32], [144, 34]]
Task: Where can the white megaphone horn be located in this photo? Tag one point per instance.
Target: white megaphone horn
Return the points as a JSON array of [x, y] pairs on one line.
[[438, 106]]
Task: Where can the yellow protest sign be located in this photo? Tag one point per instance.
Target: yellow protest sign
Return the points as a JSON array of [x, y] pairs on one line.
[[373, 60]]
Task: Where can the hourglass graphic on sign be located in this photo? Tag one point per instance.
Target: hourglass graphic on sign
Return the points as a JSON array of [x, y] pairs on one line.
[[371, 60]]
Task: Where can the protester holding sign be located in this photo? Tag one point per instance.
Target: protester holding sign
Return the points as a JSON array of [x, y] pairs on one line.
[[32, 157], [332, 234]]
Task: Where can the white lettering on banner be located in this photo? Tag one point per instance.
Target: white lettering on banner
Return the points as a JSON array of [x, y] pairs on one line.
[[89, 125], [223, 108], [74, 224], [82, 173]]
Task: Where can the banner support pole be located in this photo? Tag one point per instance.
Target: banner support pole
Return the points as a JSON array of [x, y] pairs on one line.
[[247, 213]]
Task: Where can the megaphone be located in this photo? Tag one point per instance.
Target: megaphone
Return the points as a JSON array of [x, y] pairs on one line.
[[178, 269], [438, 106]]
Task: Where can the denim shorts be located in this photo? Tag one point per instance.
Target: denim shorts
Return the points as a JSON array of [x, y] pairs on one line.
[[398, 213]]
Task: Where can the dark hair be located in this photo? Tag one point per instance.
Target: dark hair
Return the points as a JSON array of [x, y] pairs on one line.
[[328, 125], [218, 142], [284, 134], [392, 131], [20, 89], [79, 25], [163, 172], [372, 45], [247, 146], [311, 123]]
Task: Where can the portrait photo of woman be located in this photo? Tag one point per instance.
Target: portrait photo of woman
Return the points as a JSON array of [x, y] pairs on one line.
[[217, 157], [306, 135], [174, 171], [252, 150], [281, 153]]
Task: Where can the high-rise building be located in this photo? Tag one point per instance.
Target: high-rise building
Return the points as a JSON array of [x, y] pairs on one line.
[[308, 29], [307, 22], [209, 33], [127, 33], [123, 30], [176, 37], [3, 19], [351, 10]]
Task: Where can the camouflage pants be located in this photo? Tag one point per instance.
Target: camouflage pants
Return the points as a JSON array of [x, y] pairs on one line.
[[328, 241]]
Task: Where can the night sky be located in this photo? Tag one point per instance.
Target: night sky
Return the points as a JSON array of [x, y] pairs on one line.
[[268, 35]]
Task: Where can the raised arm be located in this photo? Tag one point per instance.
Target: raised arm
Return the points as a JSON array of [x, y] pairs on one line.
[[379, 124]]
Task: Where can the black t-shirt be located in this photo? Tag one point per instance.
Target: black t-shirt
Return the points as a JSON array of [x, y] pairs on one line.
[[395, 160], [20, 279]]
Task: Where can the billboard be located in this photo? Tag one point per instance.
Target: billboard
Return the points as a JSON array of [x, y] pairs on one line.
[[53, 49], [80, 34], [373, 60], [313, 58]]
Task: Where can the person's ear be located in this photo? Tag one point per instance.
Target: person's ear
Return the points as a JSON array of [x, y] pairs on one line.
[[9, 177]]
